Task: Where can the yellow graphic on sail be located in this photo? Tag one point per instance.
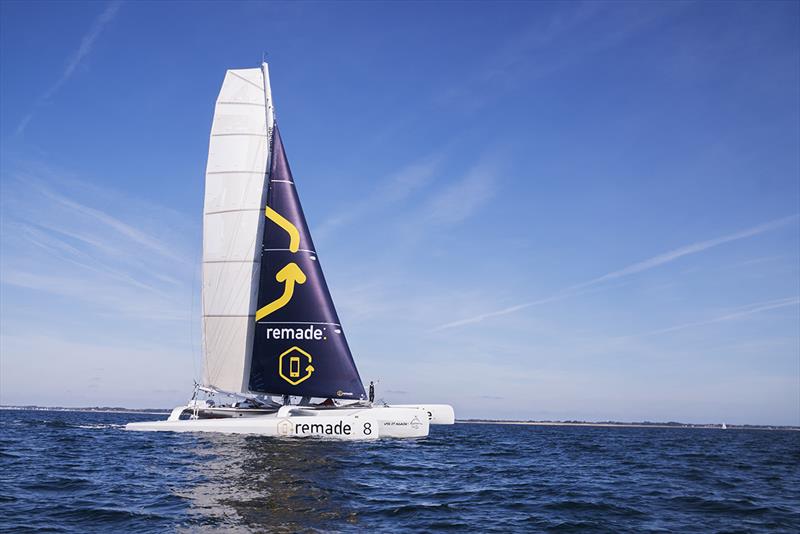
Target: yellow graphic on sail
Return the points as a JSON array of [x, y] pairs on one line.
[[280, 220], [290, 362], [290, 275]]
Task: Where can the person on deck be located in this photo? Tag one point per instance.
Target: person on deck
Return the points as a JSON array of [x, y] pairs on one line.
[[371, 391]]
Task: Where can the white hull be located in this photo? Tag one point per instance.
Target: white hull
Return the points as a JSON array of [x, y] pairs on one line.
[[297, 421], [438, 414]]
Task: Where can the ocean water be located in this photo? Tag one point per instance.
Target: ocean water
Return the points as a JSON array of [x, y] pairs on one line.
[[80, 472]]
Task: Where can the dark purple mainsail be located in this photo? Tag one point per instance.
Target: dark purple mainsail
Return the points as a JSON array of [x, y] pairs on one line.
[[299, 346]]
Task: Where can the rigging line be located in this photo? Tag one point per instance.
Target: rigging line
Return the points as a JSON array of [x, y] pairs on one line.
[[192, 354]]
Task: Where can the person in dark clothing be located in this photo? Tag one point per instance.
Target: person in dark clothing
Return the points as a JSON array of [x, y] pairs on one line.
[[371, 391]]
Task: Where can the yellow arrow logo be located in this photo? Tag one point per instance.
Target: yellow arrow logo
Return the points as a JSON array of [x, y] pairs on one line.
[[280, 220], [290, 275], [289, 364]]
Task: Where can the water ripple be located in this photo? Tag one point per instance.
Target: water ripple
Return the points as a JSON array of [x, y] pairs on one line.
[[79, 472]]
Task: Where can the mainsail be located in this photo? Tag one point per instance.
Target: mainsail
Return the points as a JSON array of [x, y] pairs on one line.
[[269, 324], [238, 155]]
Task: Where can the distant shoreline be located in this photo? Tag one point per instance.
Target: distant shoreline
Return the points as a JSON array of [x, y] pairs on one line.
[[97, 409], [618, 424], [601, 424]]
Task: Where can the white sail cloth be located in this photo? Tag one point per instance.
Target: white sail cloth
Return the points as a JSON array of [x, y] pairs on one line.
[[238, 157]]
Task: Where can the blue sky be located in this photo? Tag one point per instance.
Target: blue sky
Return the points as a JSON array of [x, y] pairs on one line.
[[528, 210]]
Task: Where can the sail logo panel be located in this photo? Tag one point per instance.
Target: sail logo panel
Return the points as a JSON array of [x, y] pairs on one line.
[[299, 347]]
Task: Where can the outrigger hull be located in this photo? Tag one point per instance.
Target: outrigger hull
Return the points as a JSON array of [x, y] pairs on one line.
[[438, 414], [301, 422]]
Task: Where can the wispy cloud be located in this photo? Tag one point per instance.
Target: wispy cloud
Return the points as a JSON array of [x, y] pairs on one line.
[[501, 312], [392, 190], [462, 198], [74, 60], [418, 196], [694, 248], [103, 218], [749, 309], [552, 44], [630, 270], [94, 275], [66, 245]]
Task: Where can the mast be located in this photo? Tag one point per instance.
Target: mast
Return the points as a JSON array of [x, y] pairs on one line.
[[270, 107]]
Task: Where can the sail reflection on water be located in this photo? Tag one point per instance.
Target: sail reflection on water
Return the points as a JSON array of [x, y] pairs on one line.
[[255, 483]]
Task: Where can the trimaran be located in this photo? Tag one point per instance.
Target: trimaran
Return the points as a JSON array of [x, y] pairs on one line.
[[270, 328]]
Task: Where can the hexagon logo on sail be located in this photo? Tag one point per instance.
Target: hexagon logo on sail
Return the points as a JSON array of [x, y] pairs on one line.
[[294, 365]]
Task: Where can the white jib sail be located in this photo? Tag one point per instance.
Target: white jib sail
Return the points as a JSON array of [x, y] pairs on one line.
[[238, 159]]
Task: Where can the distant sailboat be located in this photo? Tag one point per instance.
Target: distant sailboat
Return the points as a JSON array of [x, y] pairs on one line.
[[724, 426], [270, 327]]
